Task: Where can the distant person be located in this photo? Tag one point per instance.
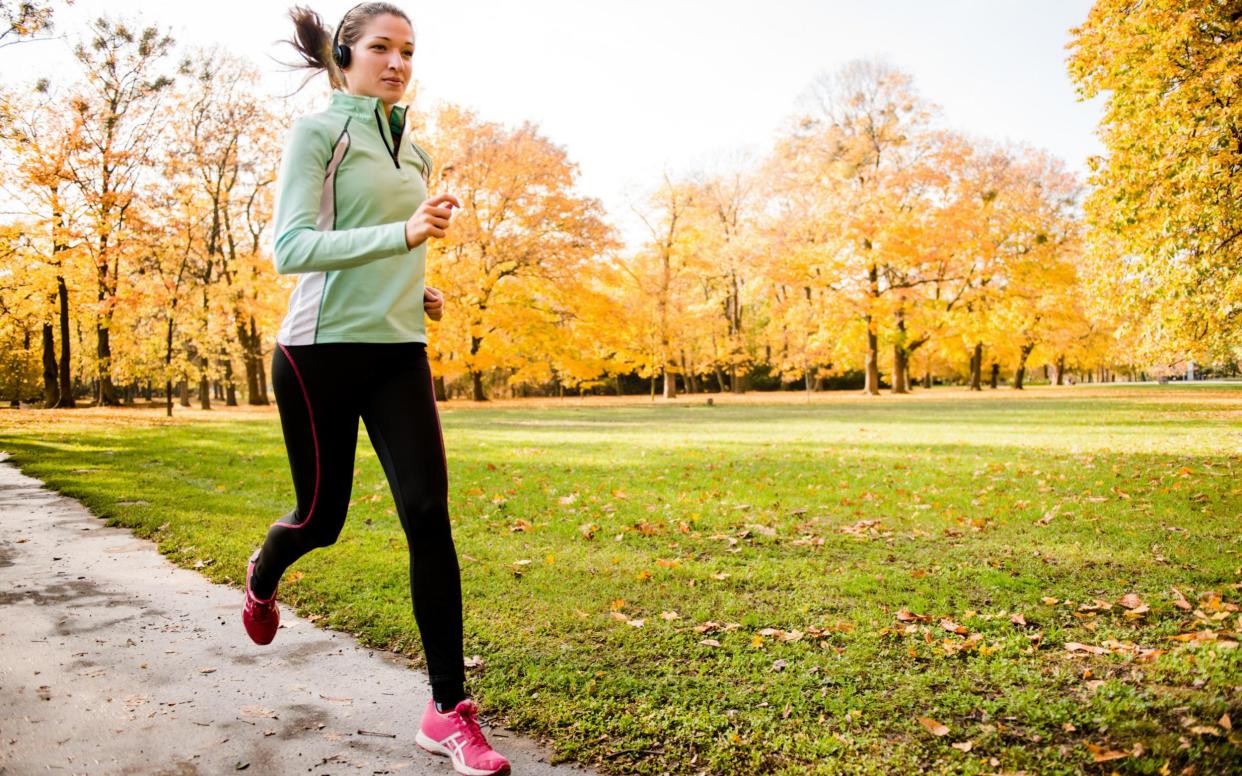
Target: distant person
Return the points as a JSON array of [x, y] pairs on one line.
[[352, 222]]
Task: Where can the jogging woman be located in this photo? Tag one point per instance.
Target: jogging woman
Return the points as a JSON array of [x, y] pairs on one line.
[[352, 222]]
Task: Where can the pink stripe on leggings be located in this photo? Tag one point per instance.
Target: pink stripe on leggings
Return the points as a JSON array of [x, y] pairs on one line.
[[314, 436]]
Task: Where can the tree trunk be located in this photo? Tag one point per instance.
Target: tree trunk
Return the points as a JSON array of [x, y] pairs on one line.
[[230, 386], [720, 383], [992, 382], [476, 381], [204, 385], [1020, 373], [871, 384], [670, 383], [1060, 370], [927, 379], [51, 390], [66, 381], [903, 349], [183, 388], [106, 392], [439, 389], [901, 367], [976, 368]]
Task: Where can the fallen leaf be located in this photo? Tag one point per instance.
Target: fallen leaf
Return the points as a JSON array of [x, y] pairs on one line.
[[1074, 646], [1225, 722], [1131, 601], [206, 670], [935, 728], [669, 615], [257, 711], [710, 643], [953, 627], [1180, 600], [1102, 754], [636, 623], [905, 615], [1017, 619], [963, 746]]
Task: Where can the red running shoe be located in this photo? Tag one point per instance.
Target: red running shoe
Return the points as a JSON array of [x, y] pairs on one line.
[[457, 734], [261, 617]]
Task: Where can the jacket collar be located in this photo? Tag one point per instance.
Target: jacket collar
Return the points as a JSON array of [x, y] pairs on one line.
[[357, 105], [369, 108]]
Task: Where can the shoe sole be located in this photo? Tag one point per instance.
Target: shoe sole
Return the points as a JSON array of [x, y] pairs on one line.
[[431, 745]]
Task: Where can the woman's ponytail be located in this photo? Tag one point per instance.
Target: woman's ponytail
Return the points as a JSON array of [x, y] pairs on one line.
[[313, 43]]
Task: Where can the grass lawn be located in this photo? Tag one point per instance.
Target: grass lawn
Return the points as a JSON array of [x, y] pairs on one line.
[[1045, 582]]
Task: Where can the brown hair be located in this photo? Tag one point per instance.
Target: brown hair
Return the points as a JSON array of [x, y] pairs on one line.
[[313, 42]]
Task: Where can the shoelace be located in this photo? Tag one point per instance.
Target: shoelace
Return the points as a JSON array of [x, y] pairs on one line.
[[474, 732]]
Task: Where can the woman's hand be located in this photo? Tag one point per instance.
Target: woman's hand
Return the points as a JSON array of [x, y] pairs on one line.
[[430, 220], [433, 302]]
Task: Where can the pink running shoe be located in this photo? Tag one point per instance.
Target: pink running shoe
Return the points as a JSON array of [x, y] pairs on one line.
[[261, 617], [457, 734]]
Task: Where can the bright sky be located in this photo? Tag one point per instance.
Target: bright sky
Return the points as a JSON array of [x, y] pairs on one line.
[[634, 87]]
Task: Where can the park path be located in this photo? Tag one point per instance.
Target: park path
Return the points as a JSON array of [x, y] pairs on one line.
[[115, 661]]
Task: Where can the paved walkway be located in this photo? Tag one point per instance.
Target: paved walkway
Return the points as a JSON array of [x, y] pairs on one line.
[[114, 661]]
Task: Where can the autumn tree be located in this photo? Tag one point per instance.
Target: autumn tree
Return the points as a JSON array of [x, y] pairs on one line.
[[1164, 205], [23, 20], [725, 207], [862, 141], [120, 113], [41, 142], [223, 144], [523, 224]]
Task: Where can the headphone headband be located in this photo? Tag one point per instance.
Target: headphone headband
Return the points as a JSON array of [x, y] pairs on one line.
[[340, 52]]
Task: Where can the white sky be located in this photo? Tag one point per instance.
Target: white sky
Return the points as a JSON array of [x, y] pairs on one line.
[[634, 87]]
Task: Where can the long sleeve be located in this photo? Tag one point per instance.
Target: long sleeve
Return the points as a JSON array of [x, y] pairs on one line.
[[300, 245]]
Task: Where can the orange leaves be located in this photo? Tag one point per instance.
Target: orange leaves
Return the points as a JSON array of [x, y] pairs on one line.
[[953, 627], [905, 615], [932, 726], [1113, 647], [866, 529], [1102, 754], [1074, 646]]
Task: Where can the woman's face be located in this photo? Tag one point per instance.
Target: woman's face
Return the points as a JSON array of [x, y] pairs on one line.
[[381, 59]]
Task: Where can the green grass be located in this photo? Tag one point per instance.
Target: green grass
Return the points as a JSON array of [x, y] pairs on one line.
[[1138, 490]]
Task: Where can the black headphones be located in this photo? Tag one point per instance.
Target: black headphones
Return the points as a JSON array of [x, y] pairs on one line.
[[341, 53]]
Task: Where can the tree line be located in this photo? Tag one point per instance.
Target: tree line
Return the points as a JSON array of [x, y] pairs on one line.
[[868, 244]]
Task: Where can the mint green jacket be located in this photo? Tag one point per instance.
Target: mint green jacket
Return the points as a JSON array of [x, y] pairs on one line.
[[349, 179]]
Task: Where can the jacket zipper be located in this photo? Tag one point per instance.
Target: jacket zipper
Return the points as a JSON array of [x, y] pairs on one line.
[[395, 149]]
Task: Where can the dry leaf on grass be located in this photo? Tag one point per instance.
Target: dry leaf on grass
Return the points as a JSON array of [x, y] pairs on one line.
[[935, 728], [1074, 646], [1102, 754]]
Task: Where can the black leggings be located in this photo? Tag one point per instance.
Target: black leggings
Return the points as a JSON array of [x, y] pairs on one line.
[[321, 391]]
